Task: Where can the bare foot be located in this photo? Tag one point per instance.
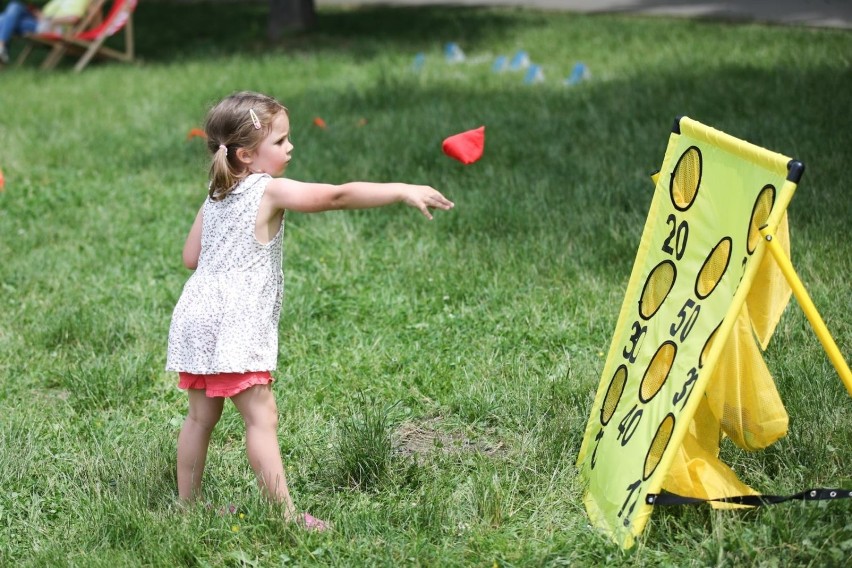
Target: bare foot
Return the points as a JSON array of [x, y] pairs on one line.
[[311, 523]]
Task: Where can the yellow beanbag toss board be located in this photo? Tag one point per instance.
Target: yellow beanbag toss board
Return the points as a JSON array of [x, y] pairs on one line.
[[684, 367]]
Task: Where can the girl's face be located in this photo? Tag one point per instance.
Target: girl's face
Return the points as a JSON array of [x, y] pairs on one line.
[[273, 153]]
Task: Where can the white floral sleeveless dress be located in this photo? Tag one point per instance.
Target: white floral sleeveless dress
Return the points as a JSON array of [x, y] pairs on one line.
[[226, 320]]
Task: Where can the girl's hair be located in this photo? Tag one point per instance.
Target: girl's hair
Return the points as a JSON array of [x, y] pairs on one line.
[[241, 120]]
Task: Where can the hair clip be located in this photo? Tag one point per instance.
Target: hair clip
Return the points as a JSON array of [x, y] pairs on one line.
[[254, 120]]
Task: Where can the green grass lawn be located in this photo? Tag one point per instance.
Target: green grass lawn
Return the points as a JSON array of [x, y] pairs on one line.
[[434, 378]]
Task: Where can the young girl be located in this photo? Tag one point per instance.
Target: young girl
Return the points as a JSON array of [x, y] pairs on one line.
[[223, 339]]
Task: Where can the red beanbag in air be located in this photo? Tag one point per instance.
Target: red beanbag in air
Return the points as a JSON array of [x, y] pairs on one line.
[[466, 147]]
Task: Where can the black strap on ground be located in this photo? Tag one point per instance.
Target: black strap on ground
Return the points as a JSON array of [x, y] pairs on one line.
[[821, 494]]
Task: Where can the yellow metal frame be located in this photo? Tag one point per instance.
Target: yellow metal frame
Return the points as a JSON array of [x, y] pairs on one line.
[[808, 308]]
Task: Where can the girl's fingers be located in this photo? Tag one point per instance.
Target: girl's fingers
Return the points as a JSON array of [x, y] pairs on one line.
[[432, 200], [442, 202]]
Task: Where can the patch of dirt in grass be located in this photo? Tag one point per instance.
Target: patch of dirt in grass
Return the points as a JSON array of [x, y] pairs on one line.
[[51, 395], [431, 435]]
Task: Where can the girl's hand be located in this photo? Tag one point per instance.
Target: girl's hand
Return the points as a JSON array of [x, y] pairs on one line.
[[424, 198]]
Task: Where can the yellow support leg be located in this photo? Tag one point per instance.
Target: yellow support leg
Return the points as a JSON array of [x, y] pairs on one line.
[[810, 310]]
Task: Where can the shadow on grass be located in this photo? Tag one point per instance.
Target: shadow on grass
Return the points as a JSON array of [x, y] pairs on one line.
[[170, 30]]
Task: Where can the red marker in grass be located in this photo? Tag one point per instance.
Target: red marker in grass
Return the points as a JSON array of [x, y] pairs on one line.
[[466, 147], [196, 133]]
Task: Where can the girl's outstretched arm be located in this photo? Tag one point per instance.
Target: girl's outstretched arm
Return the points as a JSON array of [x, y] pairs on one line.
[[314, 197]]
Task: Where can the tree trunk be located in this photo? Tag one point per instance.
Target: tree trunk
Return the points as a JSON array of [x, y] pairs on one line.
[[287, 15]]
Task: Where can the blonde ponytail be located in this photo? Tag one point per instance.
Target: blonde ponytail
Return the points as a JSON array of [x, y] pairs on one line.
[[223, 176]]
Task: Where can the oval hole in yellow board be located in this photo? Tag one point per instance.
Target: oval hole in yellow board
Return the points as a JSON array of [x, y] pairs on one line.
[[713, 269], [759, 214], [658, 445], [657, 371], [686, 178], [613, 394], [707, 346], [657, 287]]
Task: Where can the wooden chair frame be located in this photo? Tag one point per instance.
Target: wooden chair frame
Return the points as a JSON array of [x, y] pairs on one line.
[[75, 42]]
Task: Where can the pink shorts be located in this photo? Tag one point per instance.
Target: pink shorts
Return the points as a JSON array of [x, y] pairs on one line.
[[224, 384]]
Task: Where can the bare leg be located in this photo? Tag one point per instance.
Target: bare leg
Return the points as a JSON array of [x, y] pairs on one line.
[[193, 441], [260, 414]]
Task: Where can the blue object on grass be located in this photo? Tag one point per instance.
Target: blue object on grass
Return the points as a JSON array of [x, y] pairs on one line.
[[535, 74], [499, 64], [419, 61], [453, 53], [578, 73], [520, 61]]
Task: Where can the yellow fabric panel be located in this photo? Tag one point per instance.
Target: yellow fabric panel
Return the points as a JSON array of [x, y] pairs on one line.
[[741, 393], [770, 292], [696, 469]]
